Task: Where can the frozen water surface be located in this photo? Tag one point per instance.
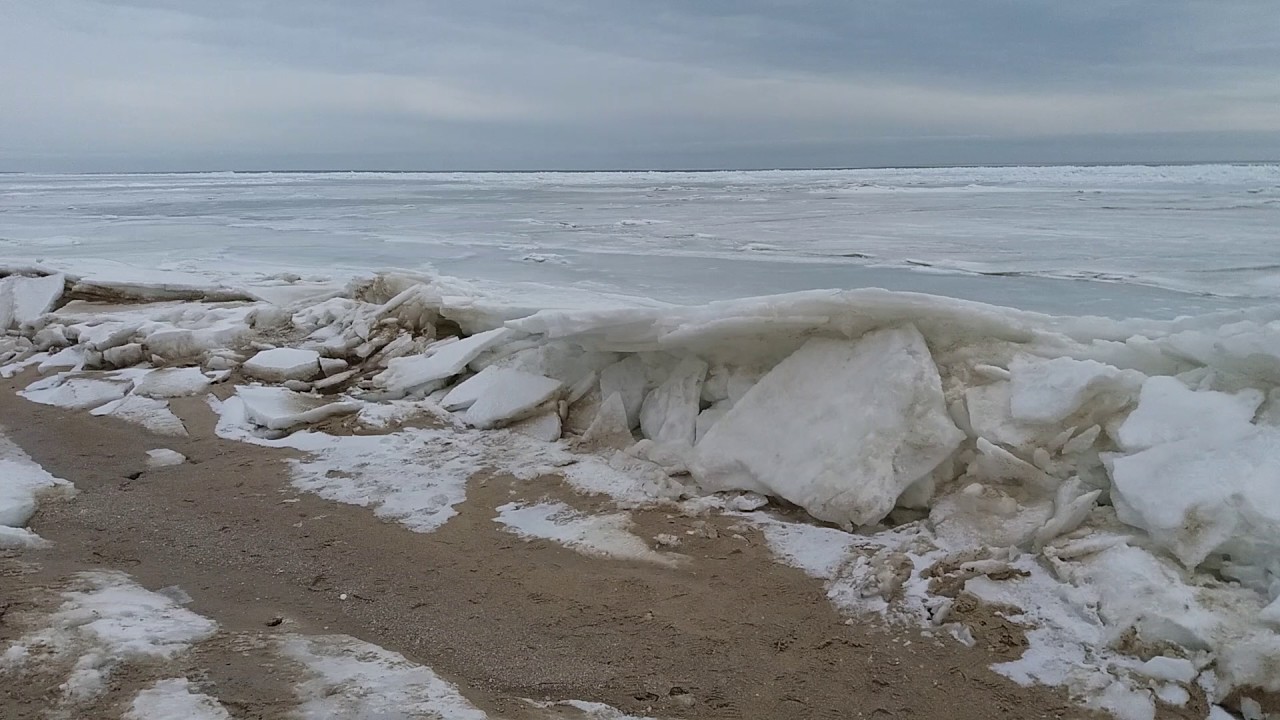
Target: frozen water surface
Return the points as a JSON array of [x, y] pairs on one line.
[[1118, 241]]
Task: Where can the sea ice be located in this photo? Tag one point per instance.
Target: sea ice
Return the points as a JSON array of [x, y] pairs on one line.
[[1169, 411], [507, 395], [545, 427], [1048, 391], [172, 382], [405, 375], [1197, 498], [151, 414], [627, 379], [25, 299], [281, 409], [864, 419], [610, 428], [280, 364], [670, 411], [77, 393]]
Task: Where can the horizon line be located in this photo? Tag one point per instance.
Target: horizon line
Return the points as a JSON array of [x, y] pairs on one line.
[[317, 171]]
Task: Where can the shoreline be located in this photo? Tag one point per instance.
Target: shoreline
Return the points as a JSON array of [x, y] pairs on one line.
[[981, 470], [500, 617]]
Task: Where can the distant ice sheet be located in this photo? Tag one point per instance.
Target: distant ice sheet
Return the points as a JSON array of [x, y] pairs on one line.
[[1149, 241]]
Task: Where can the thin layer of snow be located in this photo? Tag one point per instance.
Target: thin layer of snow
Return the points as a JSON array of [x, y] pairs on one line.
[[354, 679], [12, 538], [105, 621], [174, 699], [583, 710], [608, 535]]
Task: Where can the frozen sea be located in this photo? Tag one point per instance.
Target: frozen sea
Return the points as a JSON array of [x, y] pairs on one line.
[[1153, 241]]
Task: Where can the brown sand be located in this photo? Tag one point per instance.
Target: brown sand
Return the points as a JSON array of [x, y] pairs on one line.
[[728, 634]]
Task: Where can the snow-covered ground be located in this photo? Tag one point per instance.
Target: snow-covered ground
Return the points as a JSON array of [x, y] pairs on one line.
[[107, 624], [1112, 484]]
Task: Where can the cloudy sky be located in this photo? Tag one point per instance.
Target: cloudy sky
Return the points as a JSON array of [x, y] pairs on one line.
[[522, 84]]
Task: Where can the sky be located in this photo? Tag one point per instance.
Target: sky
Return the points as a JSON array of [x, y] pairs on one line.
[[146, 85]]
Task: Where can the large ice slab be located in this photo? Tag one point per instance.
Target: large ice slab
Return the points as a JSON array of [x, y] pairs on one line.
[[281, 409], [172, 382], [281, 364], [1169, 411], [509, 395], [1198, 498], [670, 411], [24, 299], [22, 481], [840, 427], [150, 413], [1048, 391], [77, 393], [408, 374]]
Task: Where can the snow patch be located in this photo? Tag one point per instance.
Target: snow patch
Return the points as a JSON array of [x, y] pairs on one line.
[[354, 679], [174, 699], [108, 620], [606, 535]]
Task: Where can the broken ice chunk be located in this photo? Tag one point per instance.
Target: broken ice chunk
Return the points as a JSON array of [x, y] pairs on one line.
[[417, 372], [670, 412], [865, 419], [281, 364], [510, 395], [281, 409], [1169, 411], [172, 382]]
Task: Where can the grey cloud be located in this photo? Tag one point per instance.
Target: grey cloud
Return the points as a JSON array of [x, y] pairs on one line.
[[596, 83]]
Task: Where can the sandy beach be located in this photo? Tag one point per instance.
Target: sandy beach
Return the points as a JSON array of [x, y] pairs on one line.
[[729, 633]]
